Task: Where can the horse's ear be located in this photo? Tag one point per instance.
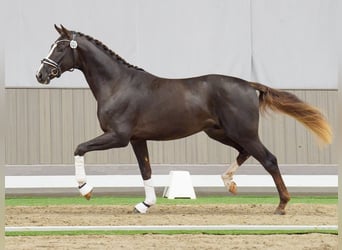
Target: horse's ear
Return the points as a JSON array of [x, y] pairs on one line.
[[59, 30], [66, 32]]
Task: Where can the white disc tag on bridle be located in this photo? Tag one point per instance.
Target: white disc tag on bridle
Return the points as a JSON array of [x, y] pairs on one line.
[[73, 44]]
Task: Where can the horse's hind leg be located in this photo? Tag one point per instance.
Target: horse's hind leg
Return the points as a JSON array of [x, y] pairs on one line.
[[269, 162], [141, 153], [240, 121], [255, 148], [227, 177]]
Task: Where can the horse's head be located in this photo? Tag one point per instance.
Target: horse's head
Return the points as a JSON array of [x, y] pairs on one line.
[[60, 58]]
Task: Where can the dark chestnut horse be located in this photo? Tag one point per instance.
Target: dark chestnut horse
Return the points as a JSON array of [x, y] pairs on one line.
[[135, 106]]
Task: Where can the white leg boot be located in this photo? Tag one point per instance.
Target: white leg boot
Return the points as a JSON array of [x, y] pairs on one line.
[[150, 198], [84, 188]]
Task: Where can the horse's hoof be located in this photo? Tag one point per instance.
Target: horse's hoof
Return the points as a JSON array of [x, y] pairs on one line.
[[280, 211], [141, 208], [233, 188], [88, 195], [136, 211], [86, 190]]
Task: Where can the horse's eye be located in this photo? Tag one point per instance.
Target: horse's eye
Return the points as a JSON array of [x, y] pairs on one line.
[[60, 48], [54, 72]]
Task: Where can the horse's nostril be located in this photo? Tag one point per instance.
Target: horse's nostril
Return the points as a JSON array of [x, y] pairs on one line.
[[39, 76]]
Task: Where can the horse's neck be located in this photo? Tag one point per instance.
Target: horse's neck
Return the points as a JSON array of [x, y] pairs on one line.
[[103, 73]]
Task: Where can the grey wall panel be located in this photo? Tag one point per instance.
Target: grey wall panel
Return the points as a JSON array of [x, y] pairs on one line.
[[46, 125]]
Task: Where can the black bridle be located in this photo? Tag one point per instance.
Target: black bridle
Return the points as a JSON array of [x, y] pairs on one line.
[[56, 68]]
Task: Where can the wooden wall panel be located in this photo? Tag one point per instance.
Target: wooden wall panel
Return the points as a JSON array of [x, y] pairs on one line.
[[11, 120], [66, 122], [45, 142], [33, 130], [46, 125]]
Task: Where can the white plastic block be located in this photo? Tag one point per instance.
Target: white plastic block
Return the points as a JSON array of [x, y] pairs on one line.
[[180, 186]]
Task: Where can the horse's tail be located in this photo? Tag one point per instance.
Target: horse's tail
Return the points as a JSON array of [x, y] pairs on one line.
[[285, 102]]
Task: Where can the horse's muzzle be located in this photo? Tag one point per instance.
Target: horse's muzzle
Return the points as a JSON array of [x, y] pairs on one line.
[[41, 79]]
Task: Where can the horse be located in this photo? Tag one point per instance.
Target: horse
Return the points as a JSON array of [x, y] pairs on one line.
[[134, 106]]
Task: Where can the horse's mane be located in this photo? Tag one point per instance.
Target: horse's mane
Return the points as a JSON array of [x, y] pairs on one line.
[[108, 51]]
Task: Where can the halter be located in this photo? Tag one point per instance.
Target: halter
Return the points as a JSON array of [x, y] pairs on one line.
[[56, 71]]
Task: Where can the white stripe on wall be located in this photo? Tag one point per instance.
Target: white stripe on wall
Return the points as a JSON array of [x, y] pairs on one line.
[[68, 181]]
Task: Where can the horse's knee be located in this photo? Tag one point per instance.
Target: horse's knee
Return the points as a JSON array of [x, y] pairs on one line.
[[80, 150]]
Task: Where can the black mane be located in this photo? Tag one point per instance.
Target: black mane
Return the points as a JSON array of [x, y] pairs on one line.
[[109, 51]]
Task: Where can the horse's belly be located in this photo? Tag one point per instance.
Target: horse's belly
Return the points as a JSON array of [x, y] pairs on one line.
[[171, 130]]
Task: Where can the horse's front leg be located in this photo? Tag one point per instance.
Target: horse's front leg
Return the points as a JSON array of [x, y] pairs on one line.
[[141, 153], [102, 142]]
